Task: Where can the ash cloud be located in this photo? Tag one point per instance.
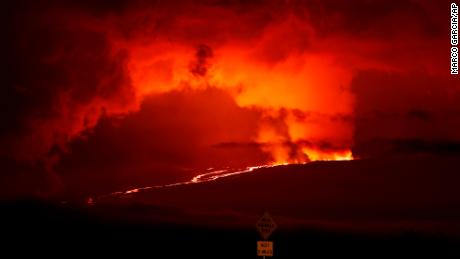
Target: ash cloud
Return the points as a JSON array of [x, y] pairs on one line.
[[201, 65], [370, 76], [405, 113], [171, 134], [59, 78]]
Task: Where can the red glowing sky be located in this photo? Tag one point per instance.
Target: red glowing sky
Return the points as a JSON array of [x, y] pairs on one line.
[[109, 94]]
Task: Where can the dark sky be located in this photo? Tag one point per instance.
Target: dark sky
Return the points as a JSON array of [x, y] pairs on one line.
[[100, 95]]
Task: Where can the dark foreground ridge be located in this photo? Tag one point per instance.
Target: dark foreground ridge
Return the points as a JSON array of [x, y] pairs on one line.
[[324, 209], [53, 228]]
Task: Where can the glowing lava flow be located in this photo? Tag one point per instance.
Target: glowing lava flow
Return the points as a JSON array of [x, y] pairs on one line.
[[205, 177], [221, 173], [328, 156]]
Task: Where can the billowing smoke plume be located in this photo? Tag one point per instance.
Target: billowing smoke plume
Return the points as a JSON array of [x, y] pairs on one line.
[[295, 78]]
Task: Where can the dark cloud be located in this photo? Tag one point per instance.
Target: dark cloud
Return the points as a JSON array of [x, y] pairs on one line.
[[311, 116], [59, 78], [201, 65], [405, 111], [419, 114], [234, 144], [423, 146], [375, 18], [320, 145], [384, 147], [171, 134]]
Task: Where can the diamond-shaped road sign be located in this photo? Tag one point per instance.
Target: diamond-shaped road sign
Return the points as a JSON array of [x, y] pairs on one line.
[[266, 225]]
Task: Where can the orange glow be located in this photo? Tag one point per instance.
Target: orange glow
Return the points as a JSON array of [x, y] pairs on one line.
[[302, 83], [126, 93], [299, 91], [316, 155]]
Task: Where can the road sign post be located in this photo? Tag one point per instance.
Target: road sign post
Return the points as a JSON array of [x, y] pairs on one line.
[[264, 248], [265, 225]]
